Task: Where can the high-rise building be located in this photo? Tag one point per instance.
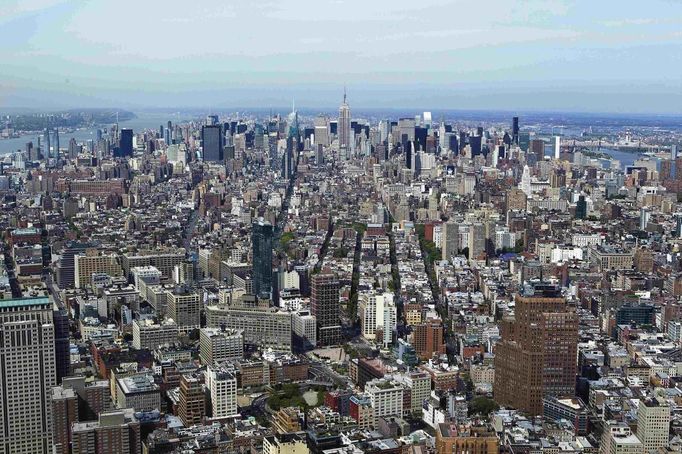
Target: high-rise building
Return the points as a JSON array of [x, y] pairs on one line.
[[581, 208], [537, 147], [46, 144], [428, 339], [212, 143], [557, 147], [115, 432], [261, 239], [619, 439], [377, 313], [653, 424], [515, 130], [125, 145], [27, 375], [184, 307], [324, 305], [222, 386], [537, 354], [386, 397], [450, 240], [217, 345], [345, 134], [192, 408]]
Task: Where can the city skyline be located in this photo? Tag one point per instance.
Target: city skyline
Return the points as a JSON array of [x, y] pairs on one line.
[[444, 54]]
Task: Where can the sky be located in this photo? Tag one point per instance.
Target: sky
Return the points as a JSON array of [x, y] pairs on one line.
[[620, 56]]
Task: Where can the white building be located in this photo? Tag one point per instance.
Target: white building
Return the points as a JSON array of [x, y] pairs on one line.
[[304, 326], [150, 335], [653, 424], [386, 397], [217, 345], [222, 385], [377, 312]]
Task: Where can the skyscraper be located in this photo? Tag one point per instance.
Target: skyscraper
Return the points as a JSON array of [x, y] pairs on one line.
[[56, 143], [125, 145], [324, 304], [537, 147], [212, 143], [27, 374], [344, 124], [537, 354], [515, 130], [557, 147], [46, 144], [261, 238]]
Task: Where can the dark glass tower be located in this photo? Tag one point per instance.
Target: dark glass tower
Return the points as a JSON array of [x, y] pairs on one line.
[[125, 147], [515, 130], [261, 238], [212, 142]]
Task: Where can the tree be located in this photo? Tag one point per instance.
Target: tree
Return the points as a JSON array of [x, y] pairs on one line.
[[482, 406]]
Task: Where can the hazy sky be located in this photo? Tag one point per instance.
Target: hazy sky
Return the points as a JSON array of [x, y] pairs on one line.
[[592, 55]]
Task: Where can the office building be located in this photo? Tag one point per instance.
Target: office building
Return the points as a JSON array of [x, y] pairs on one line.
[[458, 439], [184, 307], [289, 443], [222, 386], [264, 327], [27, 375], [149, 335], [537, 354], [139, 392], [619, 439], [557, 147], [653, 424], [191, 408], [428, 339], [377, 312], [212, 143], [386, 397], [217, 345], [537, 147], [324, 305], [125, 144], [114, 432], [449, 240], [261, 238], [304, 328], [94, 262], [345, 133]]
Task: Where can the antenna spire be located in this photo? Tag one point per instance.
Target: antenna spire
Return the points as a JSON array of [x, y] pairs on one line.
[[344, 93]]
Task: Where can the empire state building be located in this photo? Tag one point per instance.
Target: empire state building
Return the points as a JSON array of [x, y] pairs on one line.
[[344, 125]]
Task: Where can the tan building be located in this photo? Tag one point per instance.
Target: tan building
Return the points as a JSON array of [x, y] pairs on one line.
[[619, 439], [184, 307], [217, 345], [292, 443], [653, 424], [94, 262], [454, 439], [27, 375], [287, 420], [150, 335]]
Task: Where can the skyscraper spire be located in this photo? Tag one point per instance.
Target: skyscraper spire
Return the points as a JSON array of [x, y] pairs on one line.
[[344, 93]]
